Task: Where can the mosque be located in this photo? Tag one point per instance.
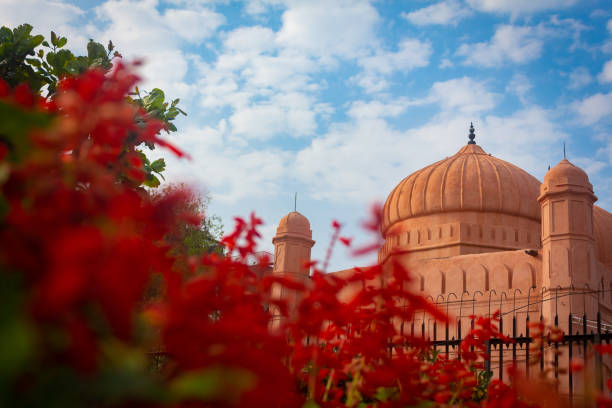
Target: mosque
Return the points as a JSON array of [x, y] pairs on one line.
[[473, 226]]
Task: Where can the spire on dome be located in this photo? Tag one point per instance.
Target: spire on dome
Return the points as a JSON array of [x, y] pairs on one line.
[[472, 135]]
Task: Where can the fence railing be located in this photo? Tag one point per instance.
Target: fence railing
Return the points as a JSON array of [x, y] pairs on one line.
[[579, 334]]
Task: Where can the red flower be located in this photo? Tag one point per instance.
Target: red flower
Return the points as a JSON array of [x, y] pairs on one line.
[[576, 365], [345, 241], [5, 89]]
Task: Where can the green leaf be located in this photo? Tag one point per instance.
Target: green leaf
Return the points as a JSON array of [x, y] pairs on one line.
[[22, 33], [61, 42], [16, 124], [213, 384], [152, 181], [17, 340], [154, 100], [45, 43], [53, 38], [34, 62], [36, 41], [6, 35], [77, 65], [158, 165], [96, 51]]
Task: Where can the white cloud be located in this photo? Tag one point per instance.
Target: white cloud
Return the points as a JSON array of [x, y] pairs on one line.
[[607, 151], [520, 86], [229, 172], [606, 73], [329, 29], [193, 26], [462, 95], [141, 27], [446, 63], [444, 12], [529, 126], [517, 7], [140, 30], [284, 114], [377, 109], [510, 43], [589, 165], [348, 164], [258, 7], [593, 108], [44, 16], [579, 78], [48, 14], [286, 71], [607, 45], [411, 54], [253, 39]]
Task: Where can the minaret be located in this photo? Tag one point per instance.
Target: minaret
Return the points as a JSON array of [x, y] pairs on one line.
[[568, 245], [292, 245]]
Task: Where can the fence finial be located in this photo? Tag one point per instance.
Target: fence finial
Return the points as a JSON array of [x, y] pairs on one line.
[[514, 301], [491, 291]]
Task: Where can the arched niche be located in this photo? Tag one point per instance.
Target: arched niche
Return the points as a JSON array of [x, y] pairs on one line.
[[476, 278], [433, 282], [455, 280], [499, 277], [416, 283], [523, 276]]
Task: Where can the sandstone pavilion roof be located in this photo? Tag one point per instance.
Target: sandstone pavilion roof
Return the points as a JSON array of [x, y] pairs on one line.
[[475, 182]]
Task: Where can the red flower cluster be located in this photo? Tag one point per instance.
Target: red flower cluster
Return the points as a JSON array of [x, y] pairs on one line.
[[76, 229]]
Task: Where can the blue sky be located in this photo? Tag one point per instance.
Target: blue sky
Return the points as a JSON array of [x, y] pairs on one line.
[[340, 100]]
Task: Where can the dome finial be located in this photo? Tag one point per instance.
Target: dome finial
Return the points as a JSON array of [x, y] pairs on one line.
[[472, 135]]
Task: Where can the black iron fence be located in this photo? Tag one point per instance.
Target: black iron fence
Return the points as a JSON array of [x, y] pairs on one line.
[[577, 335]]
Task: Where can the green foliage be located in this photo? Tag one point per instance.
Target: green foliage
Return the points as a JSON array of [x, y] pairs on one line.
[[40, 63], [32, 59], [15, 46], [156, 106], [222, 383], [194, 240], [16, 124], [17, 340], [484, 379]]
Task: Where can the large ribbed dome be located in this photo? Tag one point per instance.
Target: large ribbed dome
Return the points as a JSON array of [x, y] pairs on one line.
[[471, 180]]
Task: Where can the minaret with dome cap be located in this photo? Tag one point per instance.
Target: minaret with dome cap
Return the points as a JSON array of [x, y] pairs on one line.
[[568, 244], [292, 245]]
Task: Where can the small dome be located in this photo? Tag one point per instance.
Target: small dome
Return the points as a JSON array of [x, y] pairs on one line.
[[294, 223], [470, 180], [565, 173]]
